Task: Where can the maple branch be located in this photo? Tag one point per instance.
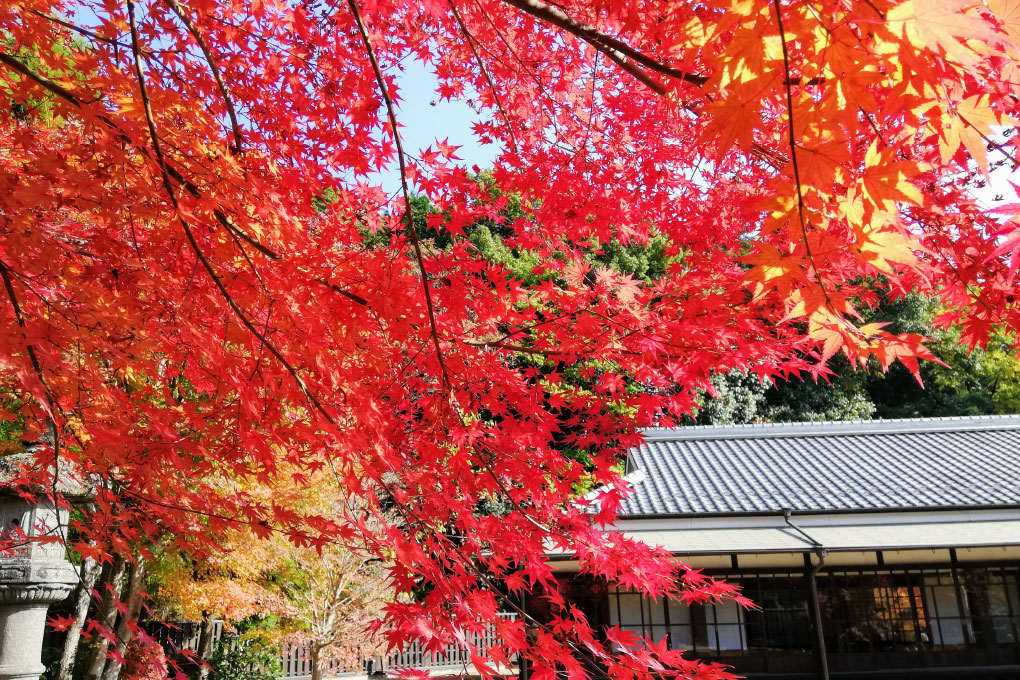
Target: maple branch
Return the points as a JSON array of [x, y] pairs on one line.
[[619, 57], [545, 105], [15, 64], [995, 145], [5, 274], [193, 30], [585, 653], [77, 29], [949, 261], [53, 406], [192, 241], [602, 42], [651, 83], [873, 126], [229, 226], [402, 161], [223, 518], [470, 564], [403, 370], [169, 175], [523, 349], [251, 265]]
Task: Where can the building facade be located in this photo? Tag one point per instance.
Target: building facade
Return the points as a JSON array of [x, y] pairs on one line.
[[883, 549]]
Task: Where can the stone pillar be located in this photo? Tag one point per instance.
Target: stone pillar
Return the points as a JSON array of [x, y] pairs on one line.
[[33, 576]]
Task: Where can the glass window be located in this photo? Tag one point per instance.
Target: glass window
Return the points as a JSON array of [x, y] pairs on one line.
[[725, 623], [783, 620], [681, 634], [711, 627], [947, 628], [991, 598], [876, 611], [873, 612]]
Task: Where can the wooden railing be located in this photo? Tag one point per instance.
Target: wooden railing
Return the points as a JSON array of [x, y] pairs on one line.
[[453, 656], [297, 663]]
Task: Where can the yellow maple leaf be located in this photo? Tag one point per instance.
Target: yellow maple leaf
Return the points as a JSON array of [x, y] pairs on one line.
[[886, 247], [886, 182], [979, 117], [1008, 14], [770, 264], [940, 26]]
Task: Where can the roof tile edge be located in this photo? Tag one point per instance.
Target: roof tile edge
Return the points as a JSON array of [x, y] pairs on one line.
[[835, 428]]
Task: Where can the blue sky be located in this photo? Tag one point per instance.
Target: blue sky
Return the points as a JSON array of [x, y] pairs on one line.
[[425, 120]]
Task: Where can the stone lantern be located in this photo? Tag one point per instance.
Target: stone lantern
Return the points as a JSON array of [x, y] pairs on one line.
[[33, 575]]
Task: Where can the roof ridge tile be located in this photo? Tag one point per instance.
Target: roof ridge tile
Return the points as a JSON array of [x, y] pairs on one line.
[[834, 427]]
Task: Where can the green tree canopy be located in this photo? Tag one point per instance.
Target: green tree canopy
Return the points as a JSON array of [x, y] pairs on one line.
[[979, 382]]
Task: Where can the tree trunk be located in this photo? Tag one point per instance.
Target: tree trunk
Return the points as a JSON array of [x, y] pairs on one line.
[[107, 616], [315, 651], [89, 573], [133, 600], [205, 644]]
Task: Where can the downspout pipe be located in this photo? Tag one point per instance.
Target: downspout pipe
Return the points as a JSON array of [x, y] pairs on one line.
[[820, 551]]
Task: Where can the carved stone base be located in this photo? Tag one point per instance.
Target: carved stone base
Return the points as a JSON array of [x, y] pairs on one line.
[[22, 624]]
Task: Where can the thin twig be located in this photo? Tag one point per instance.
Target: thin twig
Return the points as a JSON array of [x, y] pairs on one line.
[[485, 72], [52, 405], [650, 82], [401, 160], [224, 92], [77, 29], [793, 157]]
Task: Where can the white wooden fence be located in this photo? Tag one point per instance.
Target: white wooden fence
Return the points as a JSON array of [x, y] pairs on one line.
[[297, 664]]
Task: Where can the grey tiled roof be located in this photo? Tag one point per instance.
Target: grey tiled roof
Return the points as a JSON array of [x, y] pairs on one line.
[[825, 467]]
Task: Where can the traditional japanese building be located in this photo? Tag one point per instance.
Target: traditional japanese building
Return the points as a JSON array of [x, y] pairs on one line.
[[882, 549]]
